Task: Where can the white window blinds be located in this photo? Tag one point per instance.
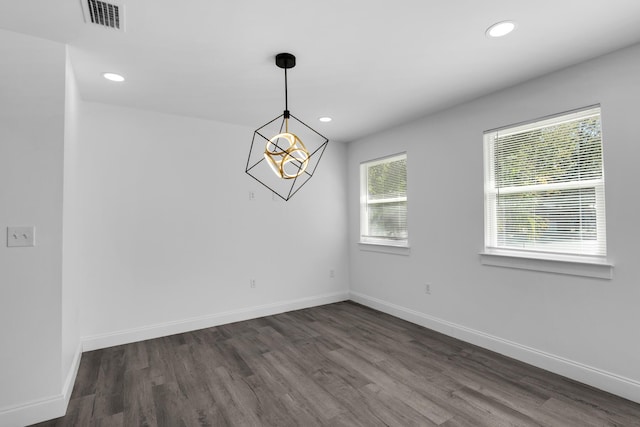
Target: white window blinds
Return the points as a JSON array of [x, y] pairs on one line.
[[383, 201], [544, 186]]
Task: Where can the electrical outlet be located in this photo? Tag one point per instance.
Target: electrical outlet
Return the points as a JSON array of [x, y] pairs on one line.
[[427, 289], [252, 196], [332, 273], [21, 236], [252, 283]]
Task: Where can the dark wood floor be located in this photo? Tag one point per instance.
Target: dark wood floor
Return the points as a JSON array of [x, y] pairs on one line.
[[338, 365]]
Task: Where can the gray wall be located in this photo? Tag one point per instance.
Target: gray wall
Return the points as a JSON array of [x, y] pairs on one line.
[[585, 328]]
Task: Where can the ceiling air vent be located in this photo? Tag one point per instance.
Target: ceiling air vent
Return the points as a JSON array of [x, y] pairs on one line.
[[109, 15]]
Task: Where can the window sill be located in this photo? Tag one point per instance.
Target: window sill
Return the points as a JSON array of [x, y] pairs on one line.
[[560, 264], [384, 248]]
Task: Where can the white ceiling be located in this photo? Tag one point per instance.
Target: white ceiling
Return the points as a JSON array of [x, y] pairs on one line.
[[369, 64]]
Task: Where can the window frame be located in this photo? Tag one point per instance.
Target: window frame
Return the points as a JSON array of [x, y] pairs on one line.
[[545, 260], [365, 239]]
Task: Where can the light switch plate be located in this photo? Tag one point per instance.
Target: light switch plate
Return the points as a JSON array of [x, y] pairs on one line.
[[21, 236]]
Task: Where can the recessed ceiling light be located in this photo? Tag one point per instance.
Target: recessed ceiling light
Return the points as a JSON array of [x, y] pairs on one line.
[[501, 29], [113, 77], [325, 119]]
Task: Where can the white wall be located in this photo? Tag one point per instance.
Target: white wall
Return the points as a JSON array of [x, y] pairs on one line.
[[31, 162], [169, 239], [581, 327], [71, 347]]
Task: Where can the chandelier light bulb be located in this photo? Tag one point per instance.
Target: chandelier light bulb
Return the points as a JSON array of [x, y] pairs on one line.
[[289, 161]]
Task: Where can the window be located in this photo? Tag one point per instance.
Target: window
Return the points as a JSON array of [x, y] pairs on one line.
[[383, 201], [544, 186]]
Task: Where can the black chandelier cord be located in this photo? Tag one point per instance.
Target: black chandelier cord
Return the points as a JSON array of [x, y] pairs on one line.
[[286, 95], [286, 102]]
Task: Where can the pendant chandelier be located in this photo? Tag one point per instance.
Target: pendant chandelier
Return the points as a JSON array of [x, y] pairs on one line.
[[278, 158]]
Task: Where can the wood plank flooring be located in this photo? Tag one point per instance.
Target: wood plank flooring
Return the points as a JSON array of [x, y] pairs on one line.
[[335, 365]]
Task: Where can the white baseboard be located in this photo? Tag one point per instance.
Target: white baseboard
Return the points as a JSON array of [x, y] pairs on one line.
[[67, 387], [43, 409], [176, 327], [601, 379]]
